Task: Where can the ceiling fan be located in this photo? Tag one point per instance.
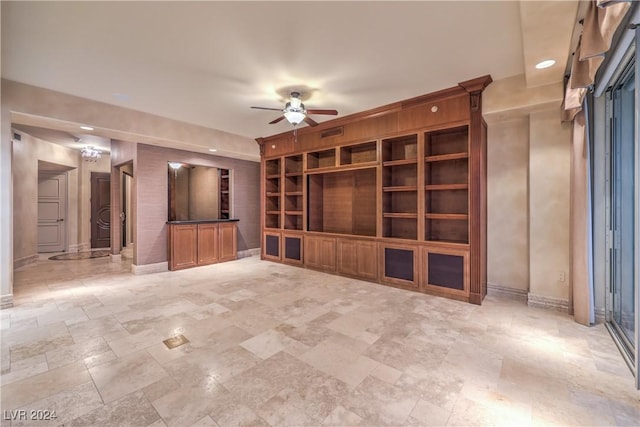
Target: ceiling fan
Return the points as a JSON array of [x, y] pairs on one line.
[[295, 112]]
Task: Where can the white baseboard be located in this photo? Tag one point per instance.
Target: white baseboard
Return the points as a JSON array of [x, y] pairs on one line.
[[83, 247], [504, 291], [558, 304], [248, 253], [158, 267], [115, 258], [600, 315], [21, 262], [73, 249], [6, 301]]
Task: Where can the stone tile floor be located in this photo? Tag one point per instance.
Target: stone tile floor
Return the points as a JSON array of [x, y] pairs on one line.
[[276, 345]]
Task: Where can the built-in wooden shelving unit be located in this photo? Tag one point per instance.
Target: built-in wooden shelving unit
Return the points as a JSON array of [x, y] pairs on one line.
[[395, 195]]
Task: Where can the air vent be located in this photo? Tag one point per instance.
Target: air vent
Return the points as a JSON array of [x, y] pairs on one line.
[[332, 132], [17, 136]]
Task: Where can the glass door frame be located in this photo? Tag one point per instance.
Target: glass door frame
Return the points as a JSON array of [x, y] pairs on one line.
[[622, 343]]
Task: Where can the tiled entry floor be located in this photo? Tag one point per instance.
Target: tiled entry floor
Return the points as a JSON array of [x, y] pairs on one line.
[[276, 345]]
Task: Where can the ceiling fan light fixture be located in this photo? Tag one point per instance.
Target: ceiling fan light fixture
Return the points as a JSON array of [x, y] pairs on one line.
[[294, 116]]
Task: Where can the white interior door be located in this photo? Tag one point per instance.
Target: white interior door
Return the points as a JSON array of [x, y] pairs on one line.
[[52, 203]]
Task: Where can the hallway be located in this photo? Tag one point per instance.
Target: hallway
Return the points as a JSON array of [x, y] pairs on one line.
[[276, 345]]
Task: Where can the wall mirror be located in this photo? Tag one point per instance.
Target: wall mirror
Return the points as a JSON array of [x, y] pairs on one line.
[[198, 192]]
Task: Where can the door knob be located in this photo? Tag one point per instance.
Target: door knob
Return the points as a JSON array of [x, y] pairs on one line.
[[60, 220]]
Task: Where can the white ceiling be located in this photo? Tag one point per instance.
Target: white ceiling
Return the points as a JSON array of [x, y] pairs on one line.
[[207, 62]]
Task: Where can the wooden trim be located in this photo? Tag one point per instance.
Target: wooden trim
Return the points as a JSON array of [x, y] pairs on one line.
[[443, 157], [438, 187]]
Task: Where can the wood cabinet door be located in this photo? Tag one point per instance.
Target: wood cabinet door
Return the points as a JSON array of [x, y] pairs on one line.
[[228, 241], [320, 253], [358, 258], [292, 249], [184, 246], [399, 265], [208, 244], [445, 271]]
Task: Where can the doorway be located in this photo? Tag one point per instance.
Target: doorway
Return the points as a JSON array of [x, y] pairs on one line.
[[52, 211], [100, 210], [125, 215]]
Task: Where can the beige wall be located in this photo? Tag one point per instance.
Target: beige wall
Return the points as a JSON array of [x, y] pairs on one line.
[[508, 201], [549, 167], [528, 206], [26, 156]]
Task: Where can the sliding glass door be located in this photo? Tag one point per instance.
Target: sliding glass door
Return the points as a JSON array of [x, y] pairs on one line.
[[622, 203]]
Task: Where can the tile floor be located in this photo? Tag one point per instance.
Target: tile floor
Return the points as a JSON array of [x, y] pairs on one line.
[[283, 346]]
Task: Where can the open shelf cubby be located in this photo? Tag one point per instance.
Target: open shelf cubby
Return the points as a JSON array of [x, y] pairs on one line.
[[447, 230], [399, 187], [446, 185], [342, 202], [273, 192], [358, 153], [225, 200], [321, 159]]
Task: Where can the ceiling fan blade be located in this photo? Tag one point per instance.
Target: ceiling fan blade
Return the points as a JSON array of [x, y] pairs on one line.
[[327, 112], [310, 121], [265, 108], [276, 120]]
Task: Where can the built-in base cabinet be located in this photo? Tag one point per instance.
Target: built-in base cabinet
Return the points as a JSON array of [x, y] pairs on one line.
[[192, 245], [437, 270], [358, 258], [320, 253]]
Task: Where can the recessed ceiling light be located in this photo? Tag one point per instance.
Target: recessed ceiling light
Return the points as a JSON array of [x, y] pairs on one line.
[[86, 128], [545, 64], [213, 150]]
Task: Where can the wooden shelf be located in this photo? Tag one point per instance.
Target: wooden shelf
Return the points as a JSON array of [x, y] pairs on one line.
[[400, 188], [293, 174], [224, 176], [438, 187], [272, 194], [403, 215], [224, 191], [273, 212], [272, 176], [400, 162], [293, 193], [447, 216], [444, 157], [293, 212]]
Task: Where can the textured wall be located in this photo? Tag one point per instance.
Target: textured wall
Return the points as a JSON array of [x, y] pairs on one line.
[[152, 204], [26, 154], [549, 164], [508, 203]]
